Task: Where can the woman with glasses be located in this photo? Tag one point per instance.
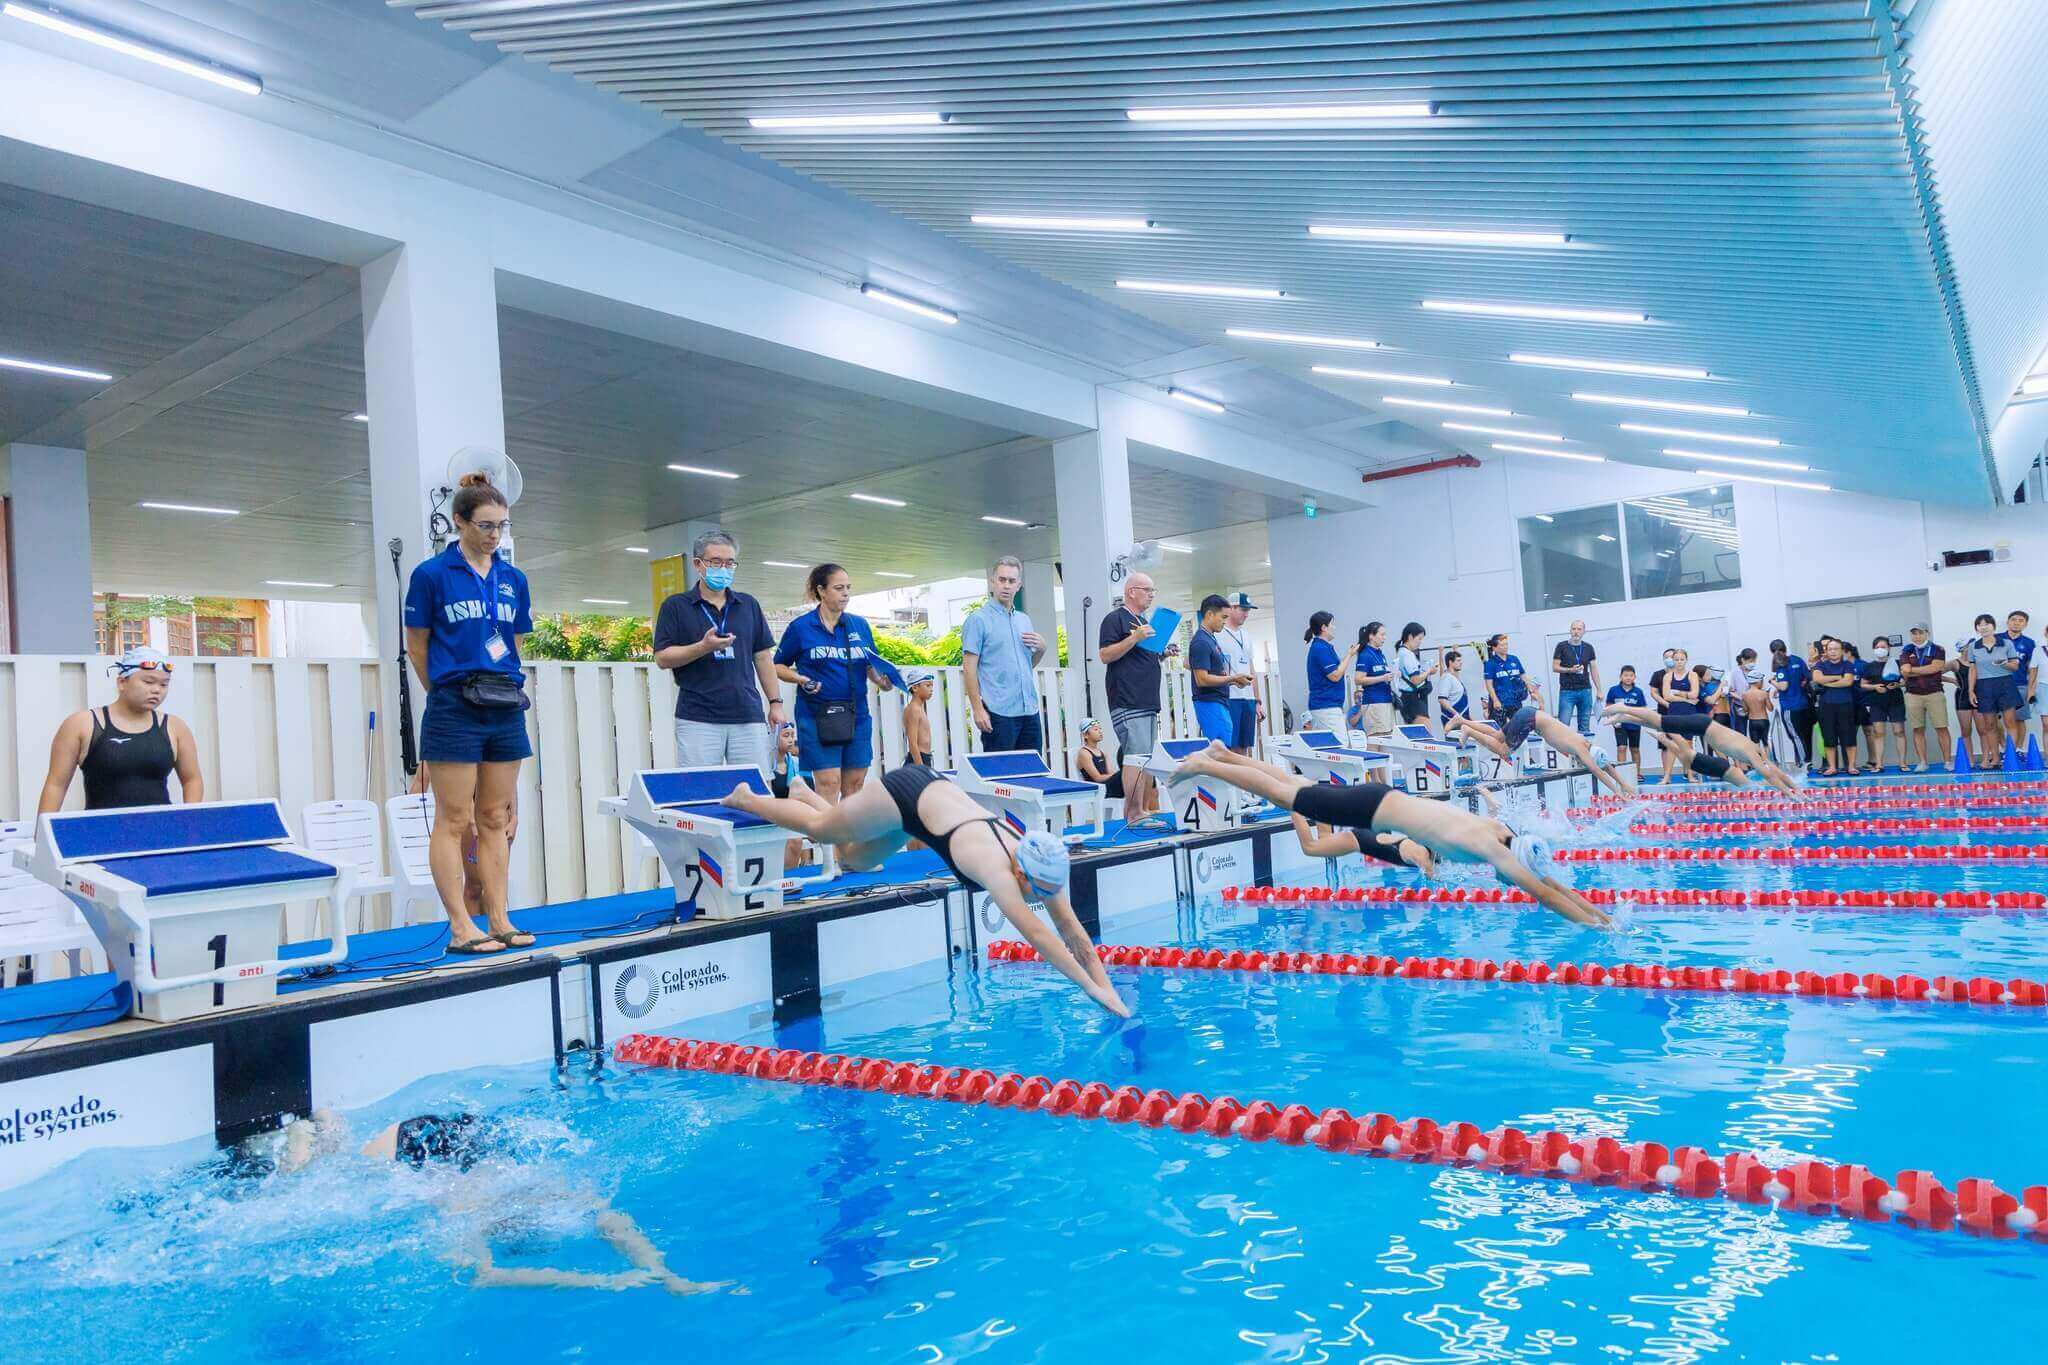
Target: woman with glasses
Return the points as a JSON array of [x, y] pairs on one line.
[[830, 655], [127, 749], [466, 611]]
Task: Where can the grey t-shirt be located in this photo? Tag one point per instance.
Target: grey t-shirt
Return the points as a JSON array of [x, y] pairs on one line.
[[2001, 660]]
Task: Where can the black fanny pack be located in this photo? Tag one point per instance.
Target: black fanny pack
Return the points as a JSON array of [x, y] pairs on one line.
[[494, 692], [834, 722]]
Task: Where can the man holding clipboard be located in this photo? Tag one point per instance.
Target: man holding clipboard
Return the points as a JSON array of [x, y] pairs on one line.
[[1130, 648]]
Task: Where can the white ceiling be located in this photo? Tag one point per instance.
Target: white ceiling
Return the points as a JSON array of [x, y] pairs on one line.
[[1740, 172]]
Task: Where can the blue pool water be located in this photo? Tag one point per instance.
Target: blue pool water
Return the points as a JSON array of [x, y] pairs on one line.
[[869, 1227]]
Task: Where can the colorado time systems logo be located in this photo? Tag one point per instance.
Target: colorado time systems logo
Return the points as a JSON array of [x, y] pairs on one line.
[[1209, 865], [24, 1125], [639, 988]]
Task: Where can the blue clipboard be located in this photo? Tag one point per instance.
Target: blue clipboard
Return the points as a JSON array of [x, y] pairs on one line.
[[1164, 621]]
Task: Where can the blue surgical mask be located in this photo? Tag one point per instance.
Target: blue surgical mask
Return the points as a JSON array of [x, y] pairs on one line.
[[718, 580]]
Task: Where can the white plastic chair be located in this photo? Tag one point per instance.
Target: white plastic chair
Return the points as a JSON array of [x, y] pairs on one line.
[[36, 918], [409, 823], [345, 833]]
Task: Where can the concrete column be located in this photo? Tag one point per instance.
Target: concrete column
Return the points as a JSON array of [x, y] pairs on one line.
[[1092, 487], [1039, 600], [677, 537], [49, 569], [430, 367]]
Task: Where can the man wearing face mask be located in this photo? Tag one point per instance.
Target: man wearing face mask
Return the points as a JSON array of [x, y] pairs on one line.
[[716, 642], [1657, 679]]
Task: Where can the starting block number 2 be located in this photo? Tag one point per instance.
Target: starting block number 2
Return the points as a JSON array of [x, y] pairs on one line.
[[753, 872]]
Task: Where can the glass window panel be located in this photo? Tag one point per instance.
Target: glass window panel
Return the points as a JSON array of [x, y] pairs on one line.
[[1571, 559], [1682, 543]]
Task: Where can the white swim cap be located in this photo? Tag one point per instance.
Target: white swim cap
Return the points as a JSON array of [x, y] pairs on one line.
[[1601, 758], [1044, 860], [1533, 852]]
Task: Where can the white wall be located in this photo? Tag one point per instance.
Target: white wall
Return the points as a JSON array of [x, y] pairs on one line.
[[1443, 549]]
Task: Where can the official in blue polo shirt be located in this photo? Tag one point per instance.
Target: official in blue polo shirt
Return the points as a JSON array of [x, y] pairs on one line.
[[465, 613], [1507, 682], [1210, 672], [716, 639], [830, 655]]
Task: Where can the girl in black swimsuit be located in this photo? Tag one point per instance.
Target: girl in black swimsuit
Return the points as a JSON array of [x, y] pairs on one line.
[[916, 802]]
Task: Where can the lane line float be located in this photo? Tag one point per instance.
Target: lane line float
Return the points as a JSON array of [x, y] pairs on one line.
[[1950, 824], [1915, 1197], [1840, 986], [1824, 853], [1949, 792], [1672, 897]]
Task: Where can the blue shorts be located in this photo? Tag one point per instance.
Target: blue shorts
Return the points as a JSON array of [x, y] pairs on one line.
[[1244, 722], [453, 731], [816, 755], [1212, 718], [2000, 694]]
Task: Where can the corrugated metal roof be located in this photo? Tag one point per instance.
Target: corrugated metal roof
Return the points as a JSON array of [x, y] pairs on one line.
[[1740, 172]]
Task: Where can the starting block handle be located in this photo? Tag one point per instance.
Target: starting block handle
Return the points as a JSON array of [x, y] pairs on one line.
[[148, 983]]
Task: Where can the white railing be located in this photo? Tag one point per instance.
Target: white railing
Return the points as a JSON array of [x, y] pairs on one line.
[[299, 730]]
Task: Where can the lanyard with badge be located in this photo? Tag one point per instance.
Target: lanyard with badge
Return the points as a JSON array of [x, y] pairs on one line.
[[495, 648], [718, 625]]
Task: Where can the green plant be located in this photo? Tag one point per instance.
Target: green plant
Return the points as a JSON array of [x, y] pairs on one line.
[[900, 650], [945, 651], [591, 639], [169, 605]]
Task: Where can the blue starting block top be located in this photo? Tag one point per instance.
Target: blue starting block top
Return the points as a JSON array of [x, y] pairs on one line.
[[1008, 765], [1420, 734], [1326, 742], [215, 869], [1051, 786], [1183, 748], [703, 792], [99, 835]]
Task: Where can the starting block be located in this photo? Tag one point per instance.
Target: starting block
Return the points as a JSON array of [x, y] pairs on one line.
[[1016, 785], [189, 900], [725, 862], [1198, 803], [1426, 764], [1323, 756]]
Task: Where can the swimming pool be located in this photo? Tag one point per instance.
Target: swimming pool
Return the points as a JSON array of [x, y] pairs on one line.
[[877, 1227]]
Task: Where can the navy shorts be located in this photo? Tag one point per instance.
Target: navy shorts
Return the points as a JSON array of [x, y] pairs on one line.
[[453, 731], [816, 755]]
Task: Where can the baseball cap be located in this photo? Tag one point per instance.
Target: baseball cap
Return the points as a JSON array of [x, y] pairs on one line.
[[1044, 861], [1242, 601], [1919, 628]]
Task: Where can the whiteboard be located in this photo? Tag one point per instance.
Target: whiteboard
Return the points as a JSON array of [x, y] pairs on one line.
[[1706, 640]]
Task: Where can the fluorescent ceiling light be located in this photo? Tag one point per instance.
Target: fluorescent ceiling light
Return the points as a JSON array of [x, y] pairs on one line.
[[1438, 236], [884, 573], [1758, 478], [1604, 536], [783, 564], [44, 367], [878, 500], [293, 583], [1769, 442], [877, 120], [1560, 362], [638, 550], [909, 305], [1551, 454], [1503, 431], [605, 601], [1212, 291], [359, 417], [2034, 383], [1398, 401], [1176, 547], [1387, 376], [1541, 517], [128, 47], [1194, 400], [1006, 521], [1282, 113], [1303, 339], [1754, 463], [1661, 404], [700, 469], [1019, 220], [189, 507], [1533, 310]]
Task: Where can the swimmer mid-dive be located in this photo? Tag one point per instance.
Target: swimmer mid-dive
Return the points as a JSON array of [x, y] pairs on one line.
[[1375, 808], [1711, 766], [1518, 727], [1716, 736], [1320, 841], [914, 802], [460, 1142]]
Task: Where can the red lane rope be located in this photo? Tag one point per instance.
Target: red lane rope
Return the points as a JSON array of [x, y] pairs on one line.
[[1720, 898], [1953, 824], [1752, 806], [1826, 853], [1916, 1198], [1839, 986], [1951, 793]]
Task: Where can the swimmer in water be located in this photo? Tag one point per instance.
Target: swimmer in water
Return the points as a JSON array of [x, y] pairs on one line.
[[914, 802], [1710, 766], [1450, 834], [1397, 850], [1527, 719], [459, 1142], [1721, 739]]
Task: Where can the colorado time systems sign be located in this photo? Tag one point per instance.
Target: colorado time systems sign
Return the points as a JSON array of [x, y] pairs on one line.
[[144, 1101], [661, 989]]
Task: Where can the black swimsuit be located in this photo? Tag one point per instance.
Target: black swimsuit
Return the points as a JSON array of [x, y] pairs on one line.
[[124, 769], [1709, 765], [905, 785], [1344, 807], [1688, 727]]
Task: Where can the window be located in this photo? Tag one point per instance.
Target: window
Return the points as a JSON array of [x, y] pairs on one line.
[[116, 638], [1571, 559], [179, 635], [226, 636], [1682, 543]]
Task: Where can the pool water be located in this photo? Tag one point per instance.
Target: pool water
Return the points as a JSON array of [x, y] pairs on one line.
[[873, 1227]]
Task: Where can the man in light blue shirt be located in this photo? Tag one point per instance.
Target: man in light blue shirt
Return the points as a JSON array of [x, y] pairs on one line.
[[998, 651]]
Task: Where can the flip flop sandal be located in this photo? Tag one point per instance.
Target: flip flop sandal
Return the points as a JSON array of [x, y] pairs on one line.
[[512, 940], [474, 947]]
